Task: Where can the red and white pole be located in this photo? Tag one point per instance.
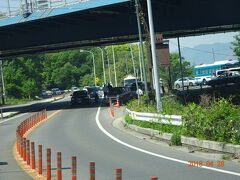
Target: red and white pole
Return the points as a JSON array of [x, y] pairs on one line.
[[92, 170], [33, 164], [28, 153], [118, 173], [153, 178], [59, 166], [74, 168], [40, 159], [48, 164]]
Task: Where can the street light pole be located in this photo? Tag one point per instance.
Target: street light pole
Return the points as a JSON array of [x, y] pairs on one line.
[[94, 69], [109, 74], [141, 47], [114, 65], [104, 76], [9, 10], [154, 56], [3, 86]]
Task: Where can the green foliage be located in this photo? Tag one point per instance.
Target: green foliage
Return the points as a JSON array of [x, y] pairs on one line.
[[164, 128], [175, 68], [176, 139], [220, 122], [236, 44], [142, 105]]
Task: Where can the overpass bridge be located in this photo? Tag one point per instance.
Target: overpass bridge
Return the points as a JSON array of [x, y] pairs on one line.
[[99, 22]]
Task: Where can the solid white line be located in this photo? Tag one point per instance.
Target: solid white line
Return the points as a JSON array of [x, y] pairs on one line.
[[154, 154], [12, 118]]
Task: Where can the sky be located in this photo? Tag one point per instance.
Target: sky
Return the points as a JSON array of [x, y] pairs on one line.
[[193, 41]]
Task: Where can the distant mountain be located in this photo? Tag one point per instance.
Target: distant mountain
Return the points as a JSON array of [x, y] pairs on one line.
[[206, 53]]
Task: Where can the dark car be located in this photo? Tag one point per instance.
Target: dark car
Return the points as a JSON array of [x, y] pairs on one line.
[[124, 94], [225, 78], [80, 97]]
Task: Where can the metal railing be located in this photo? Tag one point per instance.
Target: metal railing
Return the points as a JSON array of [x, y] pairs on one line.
[[35, 6]]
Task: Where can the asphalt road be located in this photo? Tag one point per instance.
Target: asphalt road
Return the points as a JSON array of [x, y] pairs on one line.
[[9, 169], [75, 132]]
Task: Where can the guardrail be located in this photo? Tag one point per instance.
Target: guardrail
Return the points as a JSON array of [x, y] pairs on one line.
[[25, 149], [37, 5], [155, 117]]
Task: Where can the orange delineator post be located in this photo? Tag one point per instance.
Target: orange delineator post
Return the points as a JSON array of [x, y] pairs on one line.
[[111, 108], [28, 152], [24, 149], [48, 164], [21, 147], [118, 103], [40, 159], [118, 173], [33, 164], [92, 170], [59, 166], [153, 178], [74, 168]]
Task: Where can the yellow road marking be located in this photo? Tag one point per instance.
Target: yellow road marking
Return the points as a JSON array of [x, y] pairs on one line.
[[21, 163]]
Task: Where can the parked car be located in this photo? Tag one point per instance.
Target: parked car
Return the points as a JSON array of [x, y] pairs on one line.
[[56, 91], [123, 93], [187, 81], [225, 78], [92, 90], [80, 97]]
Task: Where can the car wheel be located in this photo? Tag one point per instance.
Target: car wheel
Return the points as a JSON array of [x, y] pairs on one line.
[[204, 81], [177, 86], [190, 84]]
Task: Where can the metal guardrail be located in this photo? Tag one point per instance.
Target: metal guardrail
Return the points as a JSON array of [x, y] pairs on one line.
[[37, 5], [155, 117]]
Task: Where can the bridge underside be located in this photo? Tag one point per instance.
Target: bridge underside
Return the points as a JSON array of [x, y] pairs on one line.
[[117, 23]]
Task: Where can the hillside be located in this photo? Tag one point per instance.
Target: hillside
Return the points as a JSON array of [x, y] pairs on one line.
[[204, 53]]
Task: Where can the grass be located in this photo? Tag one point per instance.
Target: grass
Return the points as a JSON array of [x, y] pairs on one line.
[[164, 128], [14, 101]]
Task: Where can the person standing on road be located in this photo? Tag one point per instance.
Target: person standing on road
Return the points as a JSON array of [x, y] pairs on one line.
[[105, 90]]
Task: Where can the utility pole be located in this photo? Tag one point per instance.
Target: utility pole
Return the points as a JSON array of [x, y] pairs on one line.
[[154, 56], [141, 47], [109, 74], [103, 65], [3, 86], [114, 65], [134, 69], [9, 9], [140, 63], [213, 55]]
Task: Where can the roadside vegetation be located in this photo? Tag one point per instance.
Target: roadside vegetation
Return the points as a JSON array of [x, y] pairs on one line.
[[13, 101], [211, 120]]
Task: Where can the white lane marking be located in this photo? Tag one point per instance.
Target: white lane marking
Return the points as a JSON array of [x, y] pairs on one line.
[[154, 154], [12, 118]]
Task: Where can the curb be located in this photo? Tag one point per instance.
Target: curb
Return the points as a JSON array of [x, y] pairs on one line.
[[189, 141]]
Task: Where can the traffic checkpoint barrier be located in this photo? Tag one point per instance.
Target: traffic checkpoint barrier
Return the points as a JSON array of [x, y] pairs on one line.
[[155, 117], [26, 151]]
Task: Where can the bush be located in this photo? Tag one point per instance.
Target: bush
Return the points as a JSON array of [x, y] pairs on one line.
[[217, 121], [221, 122], [176, 139]]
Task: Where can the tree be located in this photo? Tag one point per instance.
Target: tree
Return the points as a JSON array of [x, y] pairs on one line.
[[175, 68], [236, 45], [30, 88]]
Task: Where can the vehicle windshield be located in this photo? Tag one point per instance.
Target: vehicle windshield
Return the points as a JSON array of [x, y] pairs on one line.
[[191, 78], [116, 91], [79, 93]]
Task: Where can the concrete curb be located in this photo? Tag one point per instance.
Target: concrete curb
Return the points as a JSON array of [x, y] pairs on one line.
[[190, 141]]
